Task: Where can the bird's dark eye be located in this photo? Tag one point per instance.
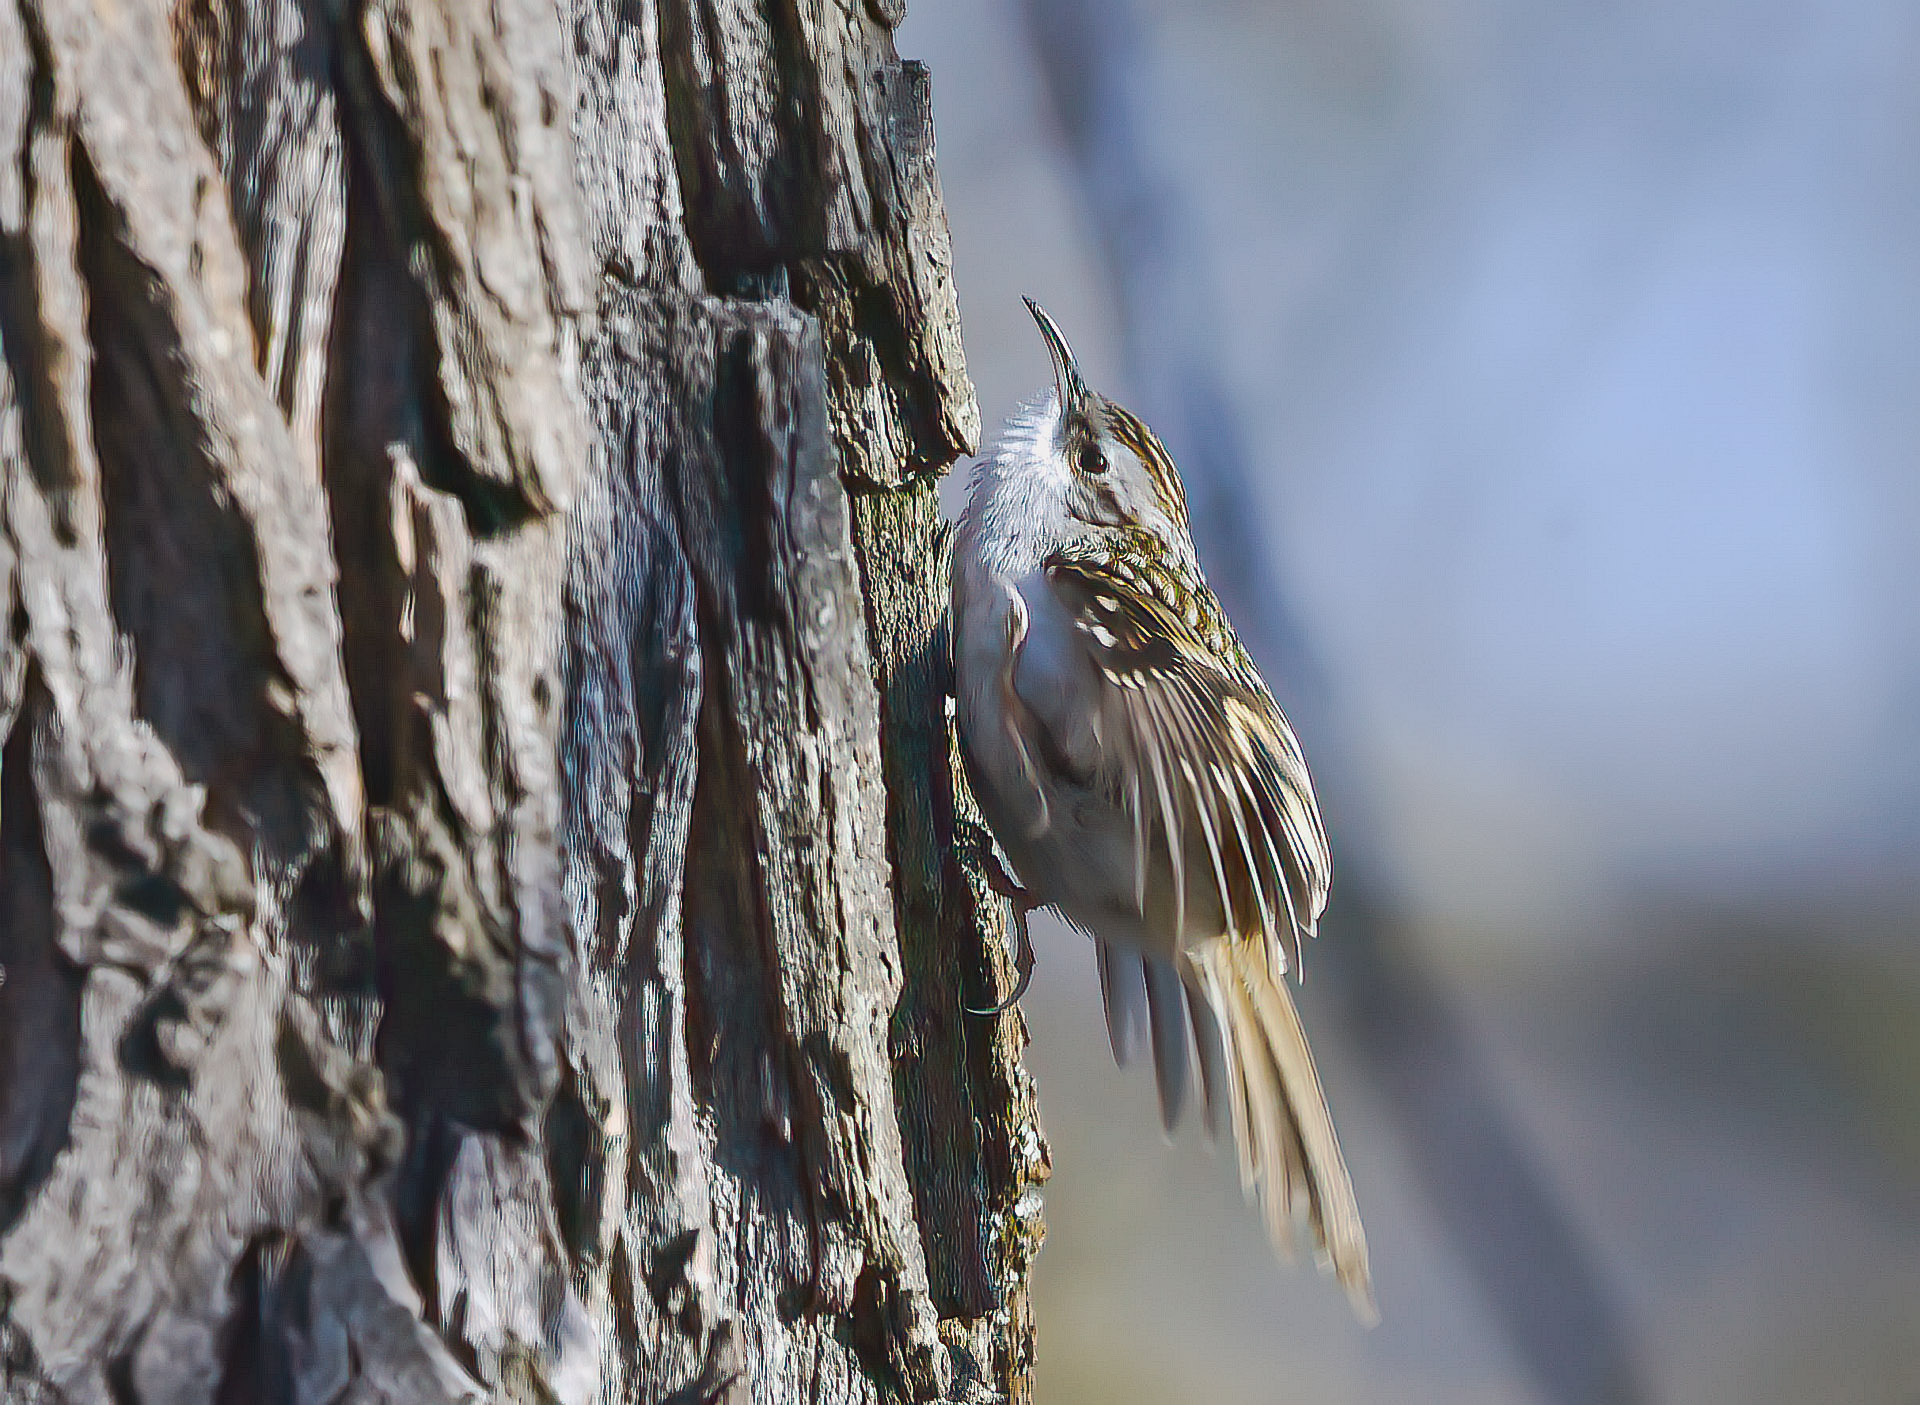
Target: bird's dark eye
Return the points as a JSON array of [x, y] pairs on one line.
[[1092, 461]]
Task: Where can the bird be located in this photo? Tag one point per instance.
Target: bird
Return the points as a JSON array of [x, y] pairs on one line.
[[1142, 781]]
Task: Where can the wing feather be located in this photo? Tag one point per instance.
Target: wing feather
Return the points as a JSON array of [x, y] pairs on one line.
[[1195, 748], [1234, 784], [1156, 760]]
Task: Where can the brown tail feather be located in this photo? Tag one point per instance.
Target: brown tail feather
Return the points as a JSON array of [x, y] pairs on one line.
[[1289, 1154]]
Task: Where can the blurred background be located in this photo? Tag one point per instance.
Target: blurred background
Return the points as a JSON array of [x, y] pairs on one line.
[[1549, 372]]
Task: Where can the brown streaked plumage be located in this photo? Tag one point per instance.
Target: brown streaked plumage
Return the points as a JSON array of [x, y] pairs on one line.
[[1143, 781]]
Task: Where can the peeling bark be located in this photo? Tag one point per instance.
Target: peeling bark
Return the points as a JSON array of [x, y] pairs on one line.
[[486, 897]]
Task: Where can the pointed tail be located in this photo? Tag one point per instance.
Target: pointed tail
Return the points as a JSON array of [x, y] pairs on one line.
[[1289, 1154]]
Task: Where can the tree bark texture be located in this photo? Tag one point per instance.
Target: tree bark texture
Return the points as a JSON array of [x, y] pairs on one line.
[[487, 901]]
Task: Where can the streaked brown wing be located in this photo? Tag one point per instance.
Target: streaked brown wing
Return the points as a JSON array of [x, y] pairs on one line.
[[1197, 743]]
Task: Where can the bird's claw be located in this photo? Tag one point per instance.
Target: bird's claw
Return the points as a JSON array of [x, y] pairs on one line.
[[1022, 966], [1004, 883]]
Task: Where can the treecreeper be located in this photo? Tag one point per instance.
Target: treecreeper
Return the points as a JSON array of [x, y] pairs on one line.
[[1141, 779]]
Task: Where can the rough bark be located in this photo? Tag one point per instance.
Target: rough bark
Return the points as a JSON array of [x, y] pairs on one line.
[[486, 901]]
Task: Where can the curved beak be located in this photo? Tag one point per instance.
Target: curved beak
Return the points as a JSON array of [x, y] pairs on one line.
[[1066, 371]]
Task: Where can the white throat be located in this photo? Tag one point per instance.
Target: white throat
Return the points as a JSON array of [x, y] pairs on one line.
[[1017, 514]]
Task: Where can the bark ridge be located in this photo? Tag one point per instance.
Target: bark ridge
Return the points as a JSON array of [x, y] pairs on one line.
[[486, 899]]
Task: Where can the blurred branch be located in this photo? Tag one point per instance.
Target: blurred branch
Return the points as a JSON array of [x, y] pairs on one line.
[[1473, 1163]]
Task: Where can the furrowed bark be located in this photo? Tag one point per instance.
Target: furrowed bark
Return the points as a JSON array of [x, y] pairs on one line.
[[486, 897]]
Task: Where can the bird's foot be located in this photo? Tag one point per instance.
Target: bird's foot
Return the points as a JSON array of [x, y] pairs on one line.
[[1023, 902], [1022, 966]]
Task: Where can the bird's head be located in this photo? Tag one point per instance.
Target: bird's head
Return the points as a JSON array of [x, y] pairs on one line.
[[1111, 470], [1069, 464]]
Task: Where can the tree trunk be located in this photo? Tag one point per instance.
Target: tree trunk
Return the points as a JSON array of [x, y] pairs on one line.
[[486, 898]]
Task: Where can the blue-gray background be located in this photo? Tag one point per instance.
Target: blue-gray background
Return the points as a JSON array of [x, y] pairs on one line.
[[1575, 349]]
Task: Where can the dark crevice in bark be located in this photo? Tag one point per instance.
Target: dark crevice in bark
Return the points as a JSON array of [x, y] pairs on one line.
[[418, 1183], [247, 1375], [366, 412], [183, 564], [40, 992], [736, 225], [443, 1040], [575, 1163], [386, 178], [738, 1050]]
